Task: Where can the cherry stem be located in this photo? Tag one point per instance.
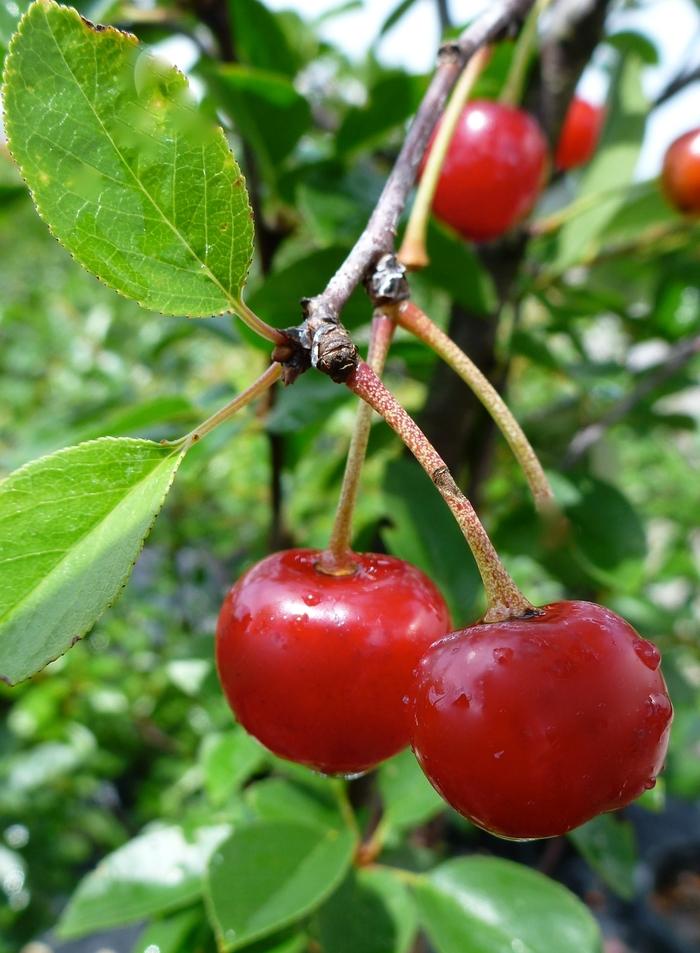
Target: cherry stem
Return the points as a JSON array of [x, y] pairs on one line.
[[512, 92], [265, 330], [337, 559], [504, 599], [410, 317], [258, 387], [413, 253]]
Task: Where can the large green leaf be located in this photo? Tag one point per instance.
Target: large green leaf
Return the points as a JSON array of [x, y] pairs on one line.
[[408, 797], [612, 168], [487, 905], [270, 874], [371, 912], [609, 845], [126, 173], [157, 871], [71, 527]]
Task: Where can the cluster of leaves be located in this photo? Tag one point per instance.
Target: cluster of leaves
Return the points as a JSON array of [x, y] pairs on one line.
[[125, 747]]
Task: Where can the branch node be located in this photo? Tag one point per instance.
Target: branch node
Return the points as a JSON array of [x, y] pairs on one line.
[[386, 283]]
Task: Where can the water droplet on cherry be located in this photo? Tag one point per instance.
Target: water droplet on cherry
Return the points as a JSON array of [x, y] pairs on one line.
[[649, 784], [503, 655], [648, 653], [461, 701], [312, 599], [405, 700]]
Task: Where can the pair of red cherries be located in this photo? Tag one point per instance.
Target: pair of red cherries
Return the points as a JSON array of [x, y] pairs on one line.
[[496, 165], [528, 727], [497, 160]]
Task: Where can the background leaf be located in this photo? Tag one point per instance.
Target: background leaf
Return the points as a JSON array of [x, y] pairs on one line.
[[409, 798], [71, 527], [129, 178], [270, 874], [157, 871], [371, 912], [486, 905], [424, 532], [609, 845], [612, 167]]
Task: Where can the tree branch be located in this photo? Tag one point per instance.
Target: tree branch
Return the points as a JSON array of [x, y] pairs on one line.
[[378, 236], [575, 29], [677, 357], [676, 85]]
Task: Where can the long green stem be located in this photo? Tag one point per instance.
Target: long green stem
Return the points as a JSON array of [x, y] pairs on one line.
[[265, 330], [258, 387], [413, 251], [505, 600], [410, 317], [337, 559], [512, 91]]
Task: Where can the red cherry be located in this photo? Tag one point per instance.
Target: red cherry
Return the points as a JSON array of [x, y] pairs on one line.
[[681, 172], [318, 667], [493, 171], [532, 726], [580, 133]]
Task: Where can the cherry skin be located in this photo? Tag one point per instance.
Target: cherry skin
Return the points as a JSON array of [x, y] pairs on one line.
[[680, 176], [493, 171], [317, 667], [532, 726], [580, 133]]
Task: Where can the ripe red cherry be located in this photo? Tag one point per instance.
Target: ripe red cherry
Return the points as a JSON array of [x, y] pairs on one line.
[[493, 171], [532, 726], [579, 134], [318, 667], [681, 172]]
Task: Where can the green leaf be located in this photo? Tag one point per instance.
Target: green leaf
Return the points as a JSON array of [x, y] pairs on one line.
[[124, 170], [633, 41], [455, 267], [612, 167], [371, 912], [276, 799], [71, 527], [271, 874], [488, 905], [424, 533], [391, 100], [260, 38], [277, 299], [409, 798], [170, 934], [608, 843], [266, 110], [609, 535], [10, 12], [228, 761], [157, 871], [395, 15]]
